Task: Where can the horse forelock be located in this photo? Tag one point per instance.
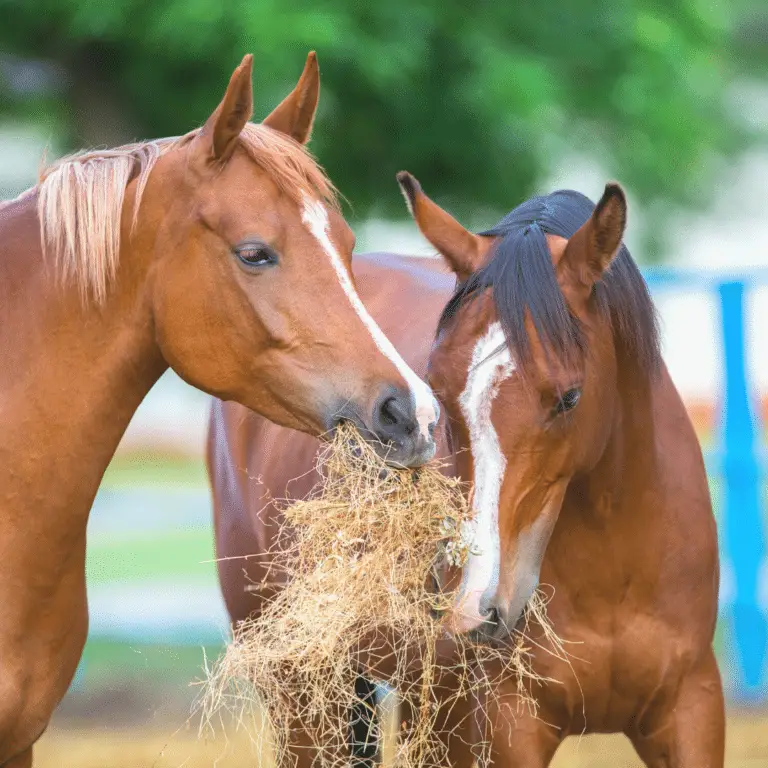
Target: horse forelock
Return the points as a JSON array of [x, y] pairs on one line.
[[290, 164], [521, 277], [81, 197]]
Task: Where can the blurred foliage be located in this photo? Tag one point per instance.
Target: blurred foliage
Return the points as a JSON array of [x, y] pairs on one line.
[[479, 100]]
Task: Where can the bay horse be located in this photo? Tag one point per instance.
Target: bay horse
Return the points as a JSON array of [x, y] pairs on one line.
[[587, 474], [221, 254]]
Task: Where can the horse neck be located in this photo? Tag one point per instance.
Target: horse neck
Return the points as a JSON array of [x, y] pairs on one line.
[[77, 373]]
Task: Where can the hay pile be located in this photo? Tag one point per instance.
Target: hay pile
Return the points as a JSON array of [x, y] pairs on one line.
[[361, 556]]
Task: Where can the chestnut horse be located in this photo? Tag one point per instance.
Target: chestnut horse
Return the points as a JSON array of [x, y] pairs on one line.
[[587, 475], [221, 254]]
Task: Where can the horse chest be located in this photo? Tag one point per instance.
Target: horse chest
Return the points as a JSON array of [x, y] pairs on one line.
[[618, 666]]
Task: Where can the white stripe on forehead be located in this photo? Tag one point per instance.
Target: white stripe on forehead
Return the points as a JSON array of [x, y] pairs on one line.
[[315, 217], [486, 373]]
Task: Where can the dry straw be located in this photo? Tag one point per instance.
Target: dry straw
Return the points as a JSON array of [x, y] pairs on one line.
[[360, 557]]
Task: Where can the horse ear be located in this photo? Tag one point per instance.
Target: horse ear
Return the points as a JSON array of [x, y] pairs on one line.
[[220, 133], [296, 113], [596, 243], [464, 251]]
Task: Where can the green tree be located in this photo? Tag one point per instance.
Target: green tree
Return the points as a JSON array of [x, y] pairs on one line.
[[474, 98]]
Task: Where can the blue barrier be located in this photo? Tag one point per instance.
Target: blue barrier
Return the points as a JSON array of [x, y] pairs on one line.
[[739, 460], [744, 539]]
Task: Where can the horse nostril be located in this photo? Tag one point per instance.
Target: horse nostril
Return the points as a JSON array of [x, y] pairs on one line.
[[493, 620], [395, 430], [395, 418], [388, 413]]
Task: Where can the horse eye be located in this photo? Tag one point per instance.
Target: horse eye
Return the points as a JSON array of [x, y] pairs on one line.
[[253, 255], [568, 401]]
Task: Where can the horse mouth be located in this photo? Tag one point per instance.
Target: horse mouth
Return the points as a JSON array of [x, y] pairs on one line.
[[396, 454]]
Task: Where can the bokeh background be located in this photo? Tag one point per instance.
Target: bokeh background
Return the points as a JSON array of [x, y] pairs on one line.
[[487, 103]]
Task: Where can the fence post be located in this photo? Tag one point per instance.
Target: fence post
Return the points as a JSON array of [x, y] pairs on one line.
[[744, 535]]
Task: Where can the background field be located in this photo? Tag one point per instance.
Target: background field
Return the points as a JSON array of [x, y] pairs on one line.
[[150, 747]]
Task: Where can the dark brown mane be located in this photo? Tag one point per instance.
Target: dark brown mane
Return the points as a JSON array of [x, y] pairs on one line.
[[521, 275]]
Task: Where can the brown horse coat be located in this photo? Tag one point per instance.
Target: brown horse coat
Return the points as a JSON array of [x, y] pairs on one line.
[[220, 254], [631, 562]]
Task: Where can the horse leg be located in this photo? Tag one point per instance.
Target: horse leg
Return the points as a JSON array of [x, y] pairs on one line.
[[690, 733], [455, 732], [365, 731], [522, 741], [308, 748], [516, 736]]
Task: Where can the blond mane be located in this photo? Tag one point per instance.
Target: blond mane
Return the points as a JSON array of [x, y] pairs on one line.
[[81, 197]]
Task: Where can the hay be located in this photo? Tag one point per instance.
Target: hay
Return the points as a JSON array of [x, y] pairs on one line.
[[360, 557]]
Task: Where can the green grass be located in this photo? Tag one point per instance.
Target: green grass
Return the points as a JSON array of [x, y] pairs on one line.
[[105, 660], [154, 468], [181, 555]]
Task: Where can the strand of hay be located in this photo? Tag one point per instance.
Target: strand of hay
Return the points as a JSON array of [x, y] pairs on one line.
[[360, 557]]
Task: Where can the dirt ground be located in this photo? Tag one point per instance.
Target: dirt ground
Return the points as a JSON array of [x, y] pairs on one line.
[[159, 747]]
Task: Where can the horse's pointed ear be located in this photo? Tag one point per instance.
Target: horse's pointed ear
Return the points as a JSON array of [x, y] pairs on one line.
[[596, 243], [464, 251], [296, 113], [219, 135]]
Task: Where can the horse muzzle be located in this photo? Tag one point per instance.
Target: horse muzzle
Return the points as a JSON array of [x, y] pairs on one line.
[[395, 429]]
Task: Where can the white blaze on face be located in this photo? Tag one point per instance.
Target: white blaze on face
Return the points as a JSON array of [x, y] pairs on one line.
[[481, 573], [427, 411]]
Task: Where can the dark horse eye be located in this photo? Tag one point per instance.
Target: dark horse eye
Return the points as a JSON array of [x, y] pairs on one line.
[[568, 401], [255, 255]]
